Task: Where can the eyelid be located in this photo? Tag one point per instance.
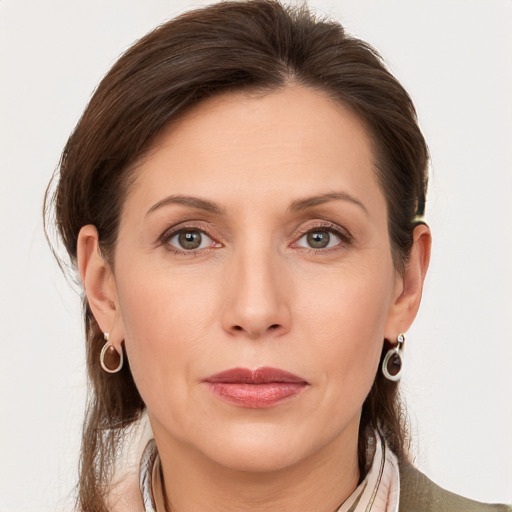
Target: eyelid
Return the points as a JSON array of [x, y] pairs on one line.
[[344, 234], [172, 231]]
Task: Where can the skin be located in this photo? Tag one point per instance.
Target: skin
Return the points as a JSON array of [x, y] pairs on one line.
[[255, 293]]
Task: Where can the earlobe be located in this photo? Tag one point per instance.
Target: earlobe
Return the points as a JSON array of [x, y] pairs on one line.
[[97, 280], [407, 302]]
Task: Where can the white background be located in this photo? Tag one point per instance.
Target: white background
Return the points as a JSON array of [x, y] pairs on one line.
[[455, 59]]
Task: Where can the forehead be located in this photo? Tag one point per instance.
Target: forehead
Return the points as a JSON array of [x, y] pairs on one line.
[[293, 141]]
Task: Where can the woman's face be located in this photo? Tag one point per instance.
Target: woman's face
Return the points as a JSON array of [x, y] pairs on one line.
[[255, 237]]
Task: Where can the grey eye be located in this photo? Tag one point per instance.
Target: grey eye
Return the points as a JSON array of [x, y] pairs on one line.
[[318, 239], [190, 240]]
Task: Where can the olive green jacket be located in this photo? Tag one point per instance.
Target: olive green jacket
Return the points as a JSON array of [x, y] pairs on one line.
[[419, 494]]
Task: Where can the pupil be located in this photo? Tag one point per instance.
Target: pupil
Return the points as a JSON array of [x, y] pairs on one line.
[[318, 239], [190, 239]]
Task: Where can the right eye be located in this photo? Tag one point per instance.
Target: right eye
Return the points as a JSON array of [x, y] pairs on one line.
[[189, 240]]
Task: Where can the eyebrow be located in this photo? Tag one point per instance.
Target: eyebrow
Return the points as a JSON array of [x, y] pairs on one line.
[[191, 201], [295, 206], [308, 202]]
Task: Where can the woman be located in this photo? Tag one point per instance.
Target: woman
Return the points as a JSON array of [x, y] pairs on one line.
[[243, 198]]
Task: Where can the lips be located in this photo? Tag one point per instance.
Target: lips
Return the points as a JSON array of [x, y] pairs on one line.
[[255, 389]]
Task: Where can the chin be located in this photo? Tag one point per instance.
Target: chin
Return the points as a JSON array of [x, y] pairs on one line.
[[265, 457], [257, 449]]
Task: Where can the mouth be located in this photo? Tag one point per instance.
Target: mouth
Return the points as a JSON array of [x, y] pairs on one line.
[[255, 389]]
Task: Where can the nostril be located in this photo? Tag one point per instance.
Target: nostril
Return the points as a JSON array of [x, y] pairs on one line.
[[272, 327]]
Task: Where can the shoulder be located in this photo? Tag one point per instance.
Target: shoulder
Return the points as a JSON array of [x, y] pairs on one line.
[[419, 494]]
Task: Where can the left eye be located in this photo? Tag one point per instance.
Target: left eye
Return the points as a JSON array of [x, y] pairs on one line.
[[319, 239], [190, 240]]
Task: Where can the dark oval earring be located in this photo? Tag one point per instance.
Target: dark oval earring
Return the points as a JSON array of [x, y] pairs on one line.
[[110, 359], [392, 365]]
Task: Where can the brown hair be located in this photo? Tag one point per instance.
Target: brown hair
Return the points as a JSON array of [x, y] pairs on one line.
[[253, 45]]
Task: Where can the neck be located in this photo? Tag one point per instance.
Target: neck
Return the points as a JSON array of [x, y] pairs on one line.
[[321, 482]]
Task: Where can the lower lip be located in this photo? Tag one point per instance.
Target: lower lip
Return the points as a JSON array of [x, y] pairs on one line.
[[256, 396]]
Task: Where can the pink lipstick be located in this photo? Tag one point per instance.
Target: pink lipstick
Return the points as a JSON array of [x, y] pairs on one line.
[[255, 389]]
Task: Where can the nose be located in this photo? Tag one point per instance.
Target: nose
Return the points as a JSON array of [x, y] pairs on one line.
[[257, 296]]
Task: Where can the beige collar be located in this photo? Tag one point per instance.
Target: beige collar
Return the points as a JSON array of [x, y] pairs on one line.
[[380, 490]]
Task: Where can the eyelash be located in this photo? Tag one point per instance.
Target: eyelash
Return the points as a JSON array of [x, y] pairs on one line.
[[346, 239], [343, 234], [168, 235]]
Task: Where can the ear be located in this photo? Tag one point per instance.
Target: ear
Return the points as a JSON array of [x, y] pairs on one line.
[[99, 284], [409, 285]]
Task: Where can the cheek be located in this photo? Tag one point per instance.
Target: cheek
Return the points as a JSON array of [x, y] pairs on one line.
[[172, 330], [164, 331], [346, 324]]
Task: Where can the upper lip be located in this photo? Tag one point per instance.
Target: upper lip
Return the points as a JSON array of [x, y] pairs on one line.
[[263, 375]]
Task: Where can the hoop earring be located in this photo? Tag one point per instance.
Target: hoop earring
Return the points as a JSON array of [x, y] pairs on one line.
[[110, 359], [392, 365]]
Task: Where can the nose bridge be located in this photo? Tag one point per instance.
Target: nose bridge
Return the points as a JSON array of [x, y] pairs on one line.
[[257, 302]]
